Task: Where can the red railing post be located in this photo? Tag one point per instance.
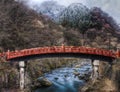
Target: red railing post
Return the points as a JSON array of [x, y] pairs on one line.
[[8, 54], [118, 53], [63, 47]]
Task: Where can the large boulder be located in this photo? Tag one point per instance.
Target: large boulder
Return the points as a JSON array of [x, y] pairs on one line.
[[76, 73], [81, 77], [84, 76], [78, 66], [42, 82]]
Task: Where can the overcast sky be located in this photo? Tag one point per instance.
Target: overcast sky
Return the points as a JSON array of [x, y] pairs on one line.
[[110, 6], [62, 2]]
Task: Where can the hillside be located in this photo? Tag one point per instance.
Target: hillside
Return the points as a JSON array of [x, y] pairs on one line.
[[50, 8], [97, 28], [21, 27]]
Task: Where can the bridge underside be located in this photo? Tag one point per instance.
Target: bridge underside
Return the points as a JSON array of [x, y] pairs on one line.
[[77, 55]]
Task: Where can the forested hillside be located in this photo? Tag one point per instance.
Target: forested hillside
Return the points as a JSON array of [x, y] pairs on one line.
[[21, 27]]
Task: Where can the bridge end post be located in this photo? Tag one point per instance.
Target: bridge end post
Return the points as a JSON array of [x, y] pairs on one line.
[[118, 53], [95, 69], [22, 75]]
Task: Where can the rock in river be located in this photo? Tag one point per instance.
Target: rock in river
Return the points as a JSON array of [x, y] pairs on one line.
[[84, 77], [76, 73], [56, 78], [42, 82]]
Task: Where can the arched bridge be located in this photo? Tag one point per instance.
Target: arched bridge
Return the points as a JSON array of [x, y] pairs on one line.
[[93, 53], [54, 50]]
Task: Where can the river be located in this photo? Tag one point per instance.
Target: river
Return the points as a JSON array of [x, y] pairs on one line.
[[64, 80]]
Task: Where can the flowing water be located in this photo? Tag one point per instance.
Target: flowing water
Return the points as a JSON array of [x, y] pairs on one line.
[[64, 80]]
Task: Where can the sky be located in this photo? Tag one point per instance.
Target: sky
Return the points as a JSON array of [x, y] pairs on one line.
[[112, 7], [62, 2]]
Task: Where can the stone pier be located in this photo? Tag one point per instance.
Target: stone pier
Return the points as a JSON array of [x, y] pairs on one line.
[[22, 74], [95, 67]]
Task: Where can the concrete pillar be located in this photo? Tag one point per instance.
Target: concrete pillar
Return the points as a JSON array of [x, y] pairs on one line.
[[95, 66], [22, 74]]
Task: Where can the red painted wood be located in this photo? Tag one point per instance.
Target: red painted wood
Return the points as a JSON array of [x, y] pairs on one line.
[[118, 54], [60, 49]]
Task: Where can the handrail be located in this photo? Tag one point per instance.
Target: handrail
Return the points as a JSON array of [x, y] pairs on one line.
[[60, 49]]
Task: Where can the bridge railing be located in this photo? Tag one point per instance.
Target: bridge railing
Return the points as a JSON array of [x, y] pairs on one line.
[[60, 49]]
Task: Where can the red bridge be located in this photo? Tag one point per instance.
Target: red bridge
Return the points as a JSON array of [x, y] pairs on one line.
[[93, 53], [60, 50]]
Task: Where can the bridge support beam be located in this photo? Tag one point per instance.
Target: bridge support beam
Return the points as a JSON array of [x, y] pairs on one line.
[[95, 72], [22, 74]]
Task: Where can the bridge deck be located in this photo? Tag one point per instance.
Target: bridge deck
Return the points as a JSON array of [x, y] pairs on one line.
[[60, 49]]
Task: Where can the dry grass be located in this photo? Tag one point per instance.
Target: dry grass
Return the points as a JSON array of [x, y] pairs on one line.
[[109, 86], [104, 85]]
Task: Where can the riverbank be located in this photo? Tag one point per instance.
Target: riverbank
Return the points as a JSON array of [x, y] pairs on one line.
[[9, 77], [109, 82]]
